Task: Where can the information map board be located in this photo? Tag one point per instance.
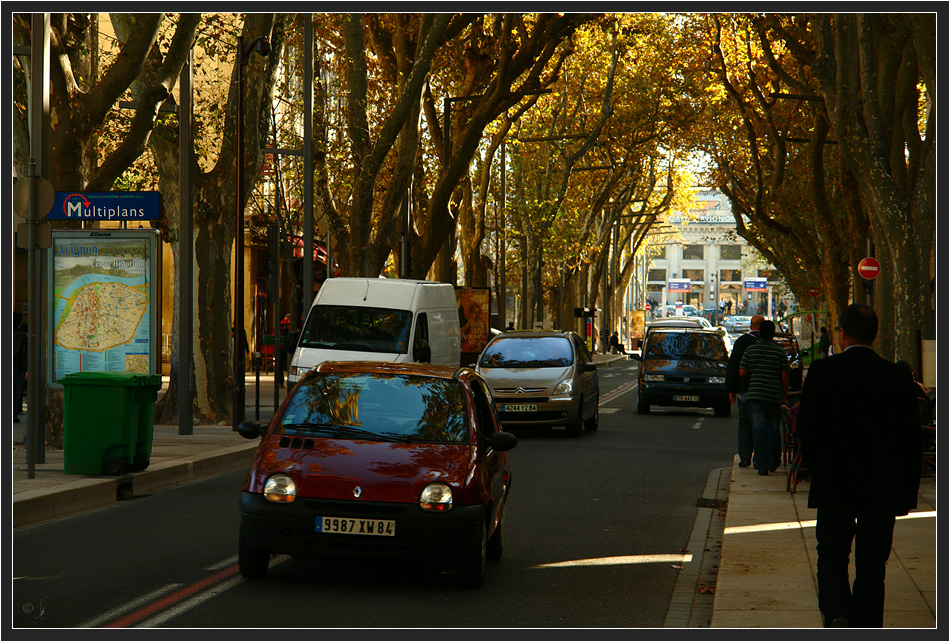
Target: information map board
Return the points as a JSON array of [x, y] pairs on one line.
[[104, 299]]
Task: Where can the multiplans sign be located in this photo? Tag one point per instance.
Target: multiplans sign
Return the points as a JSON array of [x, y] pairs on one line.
[[106, 206]]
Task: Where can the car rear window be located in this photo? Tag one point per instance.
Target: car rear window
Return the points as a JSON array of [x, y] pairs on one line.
[[528, 352], [378, 407], [686, 345]]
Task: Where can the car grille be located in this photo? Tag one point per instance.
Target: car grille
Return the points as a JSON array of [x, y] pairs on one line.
[[517, 391], [520, 399], [671, 379]]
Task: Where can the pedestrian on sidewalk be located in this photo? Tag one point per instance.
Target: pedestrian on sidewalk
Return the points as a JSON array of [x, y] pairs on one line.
[[860, 435], [20, 364], [766, 365], [615, 346], [824, 343], [737, 387]]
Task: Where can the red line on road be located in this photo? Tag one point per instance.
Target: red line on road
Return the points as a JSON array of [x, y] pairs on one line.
[[137, 616], [616, 393]]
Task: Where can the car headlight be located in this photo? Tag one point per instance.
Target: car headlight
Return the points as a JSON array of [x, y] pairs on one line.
[[564, 388], [436, 497], [298, 371], [653, 377], [717, 380], [280, 488]]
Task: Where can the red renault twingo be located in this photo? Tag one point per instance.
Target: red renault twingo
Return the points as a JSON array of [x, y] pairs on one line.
[[382, 462]]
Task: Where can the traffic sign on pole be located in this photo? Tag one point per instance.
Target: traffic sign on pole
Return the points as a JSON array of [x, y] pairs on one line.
[[869, 268]]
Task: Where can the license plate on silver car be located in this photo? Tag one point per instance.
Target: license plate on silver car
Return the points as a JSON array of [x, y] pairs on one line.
[[351, 526], [686, 398], [520, 407]]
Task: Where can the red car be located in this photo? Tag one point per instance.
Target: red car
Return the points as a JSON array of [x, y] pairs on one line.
[[379, 462]]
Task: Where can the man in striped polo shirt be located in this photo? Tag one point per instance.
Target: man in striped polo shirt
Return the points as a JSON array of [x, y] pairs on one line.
[[766, 365]]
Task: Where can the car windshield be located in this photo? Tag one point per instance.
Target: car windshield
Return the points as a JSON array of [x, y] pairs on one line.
[[528, 352], [687, 345], [335, 327], [788, 344], [378, 407]]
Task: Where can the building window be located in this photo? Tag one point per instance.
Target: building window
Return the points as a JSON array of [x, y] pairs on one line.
[[657, 252], [730, 252], [694, 252], [657, 275], [734, 276], [696, 276]]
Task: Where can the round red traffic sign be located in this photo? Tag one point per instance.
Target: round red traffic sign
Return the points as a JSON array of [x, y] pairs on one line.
[[869, 268]]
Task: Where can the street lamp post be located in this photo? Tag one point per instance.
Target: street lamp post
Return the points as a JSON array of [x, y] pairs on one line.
[[262, 46]]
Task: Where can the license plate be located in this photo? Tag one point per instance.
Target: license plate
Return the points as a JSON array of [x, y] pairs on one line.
[[520, 407], [351, 526], [685, 398]]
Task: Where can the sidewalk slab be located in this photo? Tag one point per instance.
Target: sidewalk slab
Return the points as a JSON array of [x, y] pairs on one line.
[[767, 573]]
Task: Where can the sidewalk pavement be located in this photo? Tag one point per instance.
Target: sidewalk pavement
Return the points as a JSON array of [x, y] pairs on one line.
[[767, 568], [766, 576]]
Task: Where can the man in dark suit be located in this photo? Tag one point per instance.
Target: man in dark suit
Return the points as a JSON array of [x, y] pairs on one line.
[[860, 437], [737, 386]]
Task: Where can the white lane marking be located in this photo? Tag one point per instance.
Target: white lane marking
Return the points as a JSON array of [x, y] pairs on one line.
[[696, 426], [190, 603], [130, 606], [222, 564], [204, 596]]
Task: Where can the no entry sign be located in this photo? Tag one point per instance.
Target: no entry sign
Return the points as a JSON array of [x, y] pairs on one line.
[[869, 268]]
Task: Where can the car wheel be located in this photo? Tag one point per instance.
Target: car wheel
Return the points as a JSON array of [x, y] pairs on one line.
[[643, 407], [251, 562], [575, 428], [473, 569], [496, 543], [592, 424]]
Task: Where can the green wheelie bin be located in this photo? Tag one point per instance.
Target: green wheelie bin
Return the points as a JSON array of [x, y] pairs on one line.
[[101, 414], [148, 387]]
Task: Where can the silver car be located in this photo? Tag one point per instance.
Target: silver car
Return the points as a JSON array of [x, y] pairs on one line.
[[542, 379]]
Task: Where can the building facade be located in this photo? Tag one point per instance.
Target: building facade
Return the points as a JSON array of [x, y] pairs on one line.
[[707, 250]]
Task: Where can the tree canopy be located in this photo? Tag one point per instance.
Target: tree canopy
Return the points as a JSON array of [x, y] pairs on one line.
[[542, 136]]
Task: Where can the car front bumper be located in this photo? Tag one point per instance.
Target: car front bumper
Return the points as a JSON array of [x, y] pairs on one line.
[[421, 537], [671, 394], [548, 412]]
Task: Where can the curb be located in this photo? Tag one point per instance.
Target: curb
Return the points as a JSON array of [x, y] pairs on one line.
[[34, 506]]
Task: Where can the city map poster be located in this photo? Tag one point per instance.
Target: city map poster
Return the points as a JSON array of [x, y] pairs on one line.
[[104, 298]]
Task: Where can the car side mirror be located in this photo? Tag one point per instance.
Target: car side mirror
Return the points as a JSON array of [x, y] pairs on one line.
[[421, 352], [502, 441], [250, 429], [636, 357]]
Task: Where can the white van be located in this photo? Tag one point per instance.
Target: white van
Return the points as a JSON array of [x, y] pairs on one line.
[[362, 319]]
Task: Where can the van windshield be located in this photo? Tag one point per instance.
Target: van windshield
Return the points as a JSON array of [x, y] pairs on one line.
[[686, 345], [337, 327]]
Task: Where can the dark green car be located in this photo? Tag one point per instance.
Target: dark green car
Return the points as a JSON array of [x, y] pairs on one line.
[[683, 367]]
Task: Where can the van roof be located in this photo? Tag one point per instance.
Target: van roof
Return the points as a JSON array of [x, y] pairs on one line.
[[399, 294]]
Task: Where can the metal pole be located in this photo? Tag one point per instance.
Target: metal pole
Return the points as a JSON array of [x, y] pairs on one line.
[[237, 401], [35, 441], [39, 144], [307, 271], [185, 250]]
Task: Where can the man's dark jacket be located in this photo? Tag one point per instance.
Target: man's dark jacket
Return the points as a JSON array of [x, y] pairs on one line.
[[735, 383], [860, 433]]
